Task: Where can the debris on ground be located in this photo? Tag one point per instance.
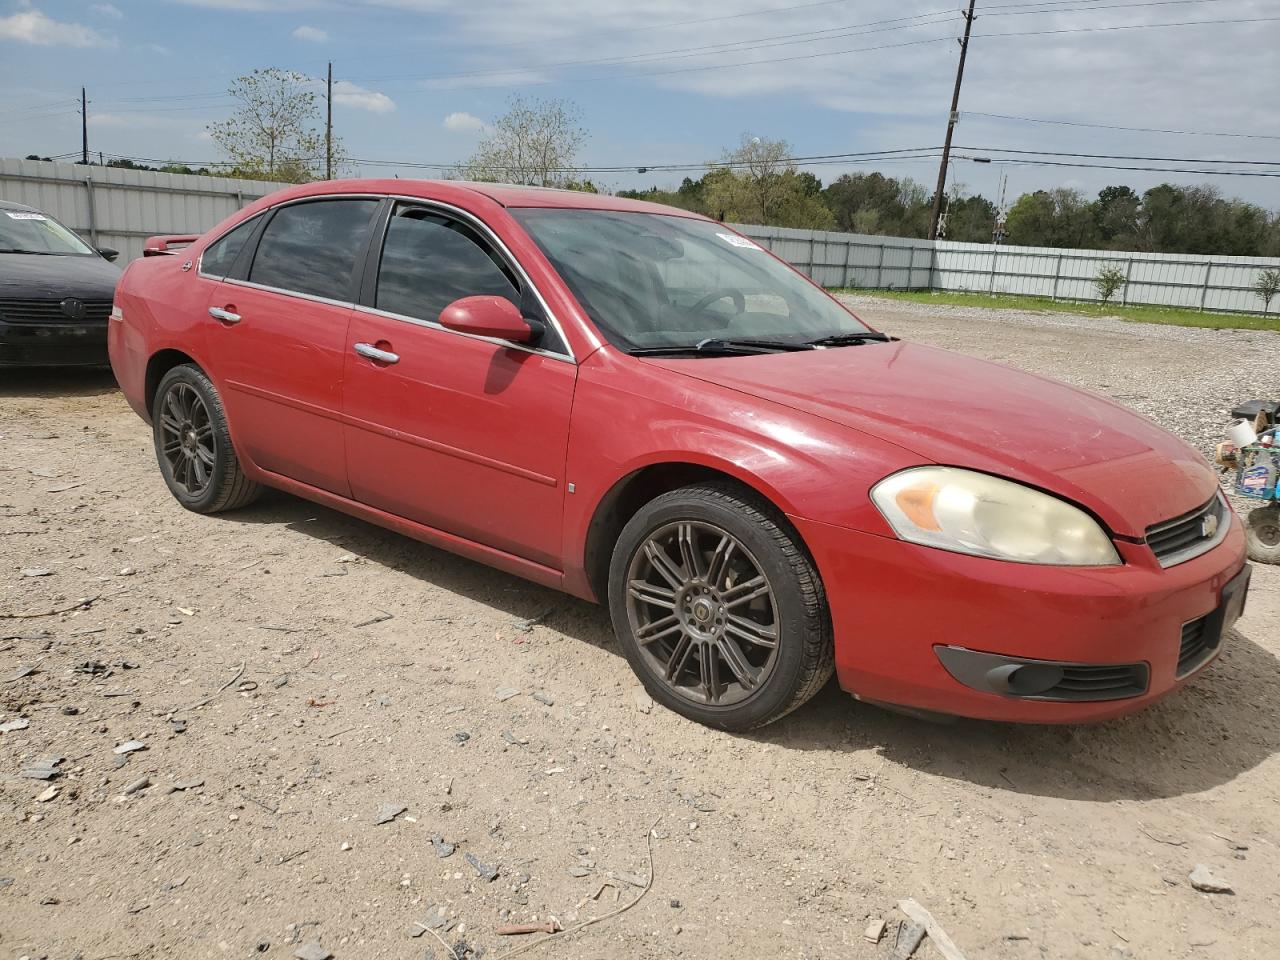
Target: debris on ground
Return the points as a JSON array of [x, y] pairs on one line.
[[24, 670], [910, 935], [1202, 879], [506, 693], [140, 784], [543, 698], [45, 768], [526, 626], [48, 794], [11, 725], [920, 915], [642, 700], [388, 812], [443, 849], [483, 870], [520, 929], [130, 746], [874, 931], [312, 951], [36, 572]]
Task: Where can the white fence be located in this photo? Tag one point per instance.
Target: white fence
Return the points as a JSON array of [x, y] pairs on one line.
[[118, 208]]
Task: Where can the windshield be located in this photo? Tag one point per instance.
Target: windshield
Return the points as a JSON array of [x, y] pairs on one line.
[[649, 280], [26, 231]]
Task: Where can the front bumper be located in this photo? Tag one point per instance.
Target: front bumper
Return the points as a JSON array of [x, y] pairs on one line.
[[53, 345], [899, 610]]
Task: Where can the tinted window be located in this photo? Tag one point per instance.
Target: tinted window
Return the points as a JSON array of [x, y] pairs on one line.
[[218, 258], [429, 261], [313, 247]]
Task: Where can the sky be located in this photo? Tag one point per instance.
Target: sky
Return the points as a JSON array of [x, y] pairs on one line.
[[670, 82]]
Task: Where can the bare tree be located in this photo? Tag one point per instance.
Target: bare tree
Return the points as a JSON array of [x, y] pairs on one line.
[[535, 142], [272, 136]]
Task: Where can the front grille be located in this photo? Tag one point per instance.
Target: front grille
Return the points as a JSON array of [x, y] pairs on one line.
[[1198, 646], [1113, 681], [1190, 535], [42, 312]]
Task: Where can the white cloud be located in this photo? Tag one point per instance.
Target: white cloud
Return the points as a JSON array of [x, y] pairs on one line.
[[108, 10], [312, 34], [463, 122], [32, 26], [348, 94]]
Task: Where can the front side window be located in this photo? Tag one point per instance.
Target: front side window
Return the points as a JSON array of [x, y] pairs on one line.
[[220, 255], [654, 281], [430, 260], [29, 231], [313, 247]]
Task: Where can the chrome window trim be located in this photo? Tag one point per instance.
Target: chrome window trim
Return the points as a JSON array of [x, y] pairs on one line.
[[1201, 546], [488, 233], [471, 220], [200, 259]]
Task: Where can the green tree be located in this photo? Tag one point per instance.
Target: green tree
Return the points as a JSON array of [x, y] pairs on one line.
[[759, 184], [1108, 281], [272, 135], [535, 142], [1266, 287]]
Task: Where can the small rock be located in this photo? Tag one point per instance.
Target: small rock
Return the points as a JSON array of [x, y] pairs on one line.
[[280, 681], [443, 849], [43, 769], [579, 872], [140, 784], [48, 794], [461, 736], [512, 739], [20, 724], [36, 572], [1204, 881], [312, 951], [388, 812], [874, 931], [506, 693], [69, 711], [188, 784], [127, 571], [24, 670], [129, 746], [483, 871], [632, 878], [542, 698], [178, 726], [345, 845]]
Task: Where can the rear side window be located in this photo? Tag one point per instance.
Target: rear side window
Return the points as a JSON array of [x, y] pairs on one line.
[[313, 247], [429, 261], [220, 255]]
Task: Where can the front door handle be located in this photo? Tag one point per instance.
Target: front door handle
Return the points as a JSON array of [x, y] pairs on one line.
[[224, 316], [373, 353]]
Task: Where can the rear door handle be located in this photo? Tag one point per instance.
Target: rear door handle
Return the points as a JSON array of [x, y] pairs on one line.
[[373, 353], [224, 316]]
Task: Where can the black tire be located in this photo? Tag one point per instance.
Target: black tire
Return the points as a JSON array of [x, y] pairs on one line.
[[801, 659], [1262, 533], [217, 483]]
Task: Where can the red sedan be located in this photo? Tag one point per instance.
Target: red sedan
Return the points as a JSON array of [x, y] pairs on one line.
[[640, 406]]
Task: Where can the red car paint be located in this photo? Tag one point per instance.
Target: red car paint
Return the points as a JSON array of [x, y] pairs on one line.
[[509, 457]]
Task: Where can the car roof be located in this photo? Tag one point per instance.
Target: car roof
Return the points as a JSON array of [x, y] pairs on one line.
[[508, 195], [10, 205]]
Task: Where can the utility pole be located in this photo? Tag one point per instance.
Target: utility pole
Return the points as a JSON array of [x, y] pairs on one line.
[[328, 127], [951, 125], [84, 128]]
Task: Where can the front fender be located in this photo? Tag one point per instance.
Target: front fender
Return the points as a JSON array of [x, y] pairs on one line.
[[629, 414]]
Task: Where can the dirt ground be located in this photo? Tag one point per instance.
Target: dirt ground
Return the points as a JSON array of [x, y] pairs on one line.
[[278, 720]]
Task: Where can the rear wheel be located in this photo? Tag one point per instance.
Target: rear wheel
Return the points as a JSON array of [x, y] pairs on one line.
[[193, 444], [1262, 531], [718, 609]]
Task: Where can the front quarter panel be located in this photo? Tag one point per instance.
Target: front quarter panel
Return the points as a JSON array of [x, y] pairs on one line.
[[630, 414]]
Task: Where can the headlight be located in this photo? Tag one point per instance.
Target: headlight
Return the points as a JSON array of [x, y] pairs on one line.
[[968, 512]]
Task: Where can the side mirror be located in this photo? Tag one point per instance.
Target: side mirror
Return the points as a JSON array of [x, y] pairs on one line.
[[108, 254], [494, 317]]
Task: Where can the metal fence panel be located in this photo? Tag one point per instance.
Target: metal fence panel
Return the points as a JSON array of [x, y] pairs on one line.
[[119, 208]]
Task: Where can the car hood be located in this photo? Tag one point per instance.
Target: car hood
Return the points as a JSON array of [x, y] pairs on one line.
[[957, 410], [25, 276]]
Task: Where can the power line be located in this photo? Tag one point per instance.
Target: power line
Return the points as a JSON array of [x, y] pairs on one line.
[[1122, 156], [1114, 126]]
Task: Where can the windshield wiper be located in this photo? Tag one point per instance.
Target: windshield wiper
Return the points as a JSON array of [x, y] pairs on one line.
[[34, 253], [719, 347], [845, 339]]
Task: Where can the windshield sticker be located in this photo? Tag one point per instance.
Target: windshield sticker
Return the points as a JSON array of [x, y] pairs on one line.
[[734, 240], [25, 215]]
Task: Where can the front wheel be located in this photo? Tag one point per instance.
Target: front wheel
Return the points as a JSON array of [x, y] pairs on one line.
[[1262, 532], [718, 608], [193, 444]]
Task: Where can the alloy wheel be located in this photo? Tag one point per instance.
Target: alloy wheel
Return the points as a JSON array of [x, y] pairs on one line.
[[187, 433], [703, 613]]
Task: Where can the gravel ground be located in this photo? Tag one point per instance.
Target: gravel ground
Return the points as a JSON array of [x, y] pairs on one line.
[[281, 711]]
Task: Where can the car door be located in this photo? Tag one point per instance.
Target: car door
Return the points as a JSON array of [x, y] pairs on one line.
[[462, 433], [278, 337]]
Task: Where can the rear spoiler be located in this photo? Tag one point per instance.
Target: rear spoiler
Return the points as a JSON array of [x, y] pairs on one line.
[[167, 245]]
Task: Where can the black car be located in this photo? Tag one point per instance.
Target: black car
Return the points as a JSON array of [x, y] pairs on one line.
[[55, 292]]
